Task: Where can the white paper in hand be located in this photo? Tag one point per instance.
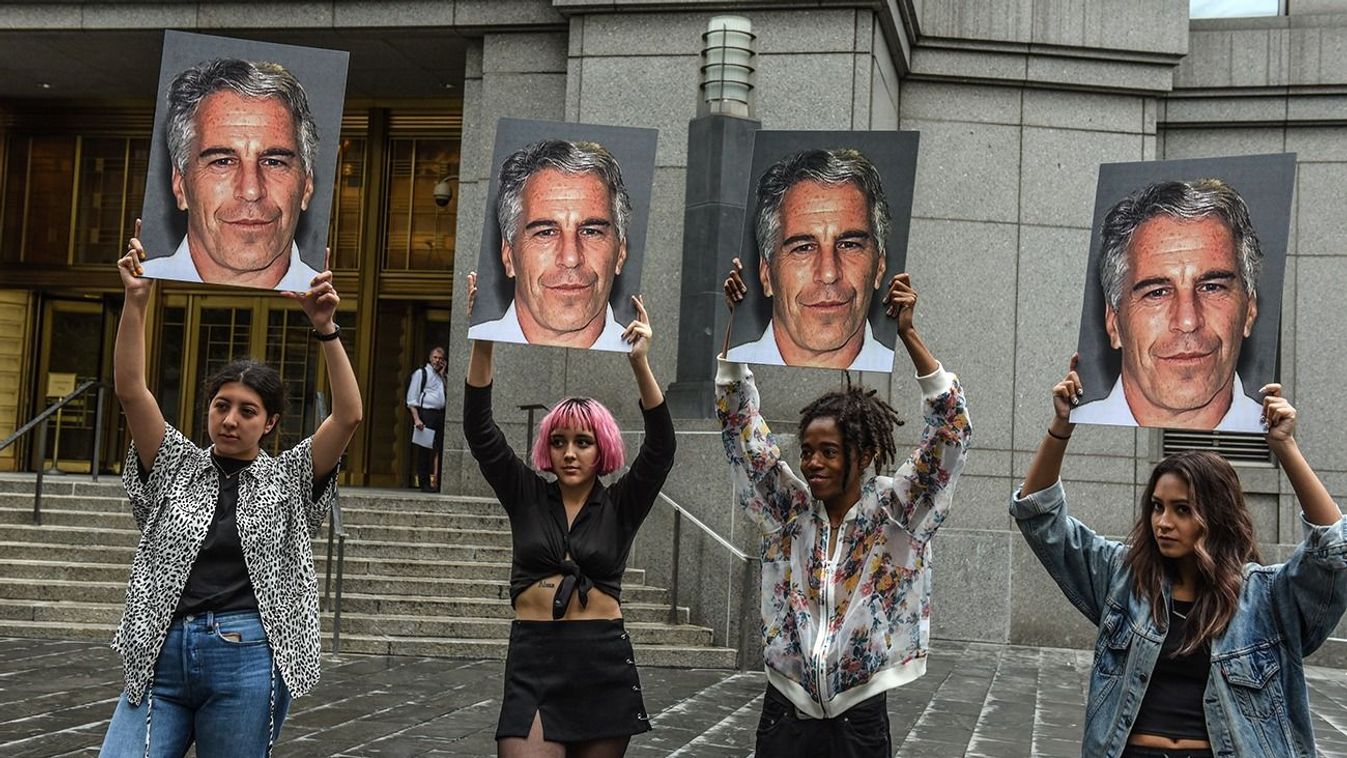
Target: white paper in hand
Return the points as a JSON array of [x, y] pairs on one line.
[[424, 437]]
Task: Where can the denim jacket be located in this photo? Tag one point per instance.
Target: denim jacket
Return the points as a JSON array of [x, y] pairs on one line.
[[1256, 701], [838, 629]]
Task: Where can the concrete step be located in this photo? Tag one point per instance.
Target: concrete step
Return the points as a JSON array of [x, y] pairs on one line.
[[435, 587], [480, 570], [453, 627], [478, 607], [56, 513], [68, 535], [44, 570], [421, 535], [71, 553], [54, 590], [381, 549], [63, 611]]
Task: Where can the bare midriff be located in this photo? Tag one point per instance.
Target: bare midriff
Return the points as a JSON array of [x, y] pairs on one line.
[[1167, 743], [535, 603]]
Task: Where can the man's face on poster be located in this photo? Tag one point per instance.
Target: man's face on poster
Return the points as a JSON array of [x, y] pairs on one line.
[[244, 186], [565, 255], [1183, 314], [822, 274]]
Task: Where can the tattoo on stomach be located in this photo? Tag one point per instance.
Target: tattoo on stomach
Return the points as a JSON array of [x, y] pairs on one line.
[[547, 584]]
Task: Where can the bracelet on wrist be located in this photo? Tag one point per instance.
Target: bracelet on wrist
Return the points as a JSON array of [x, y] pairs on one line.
[[1056, 436], [332, 335]]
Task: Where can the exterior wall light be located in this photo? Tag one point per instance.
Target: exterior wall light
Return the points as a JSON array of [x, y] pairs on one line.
[[727, 66]]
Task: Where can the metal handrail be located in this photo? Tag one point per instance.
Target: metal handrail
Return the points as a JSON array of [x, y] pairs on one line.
[[336, 530], [746, 585], [42, 419], [532, 408]]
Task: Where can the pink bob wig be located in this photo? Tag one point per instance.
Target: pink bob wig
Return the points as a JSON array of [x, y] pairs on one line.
[[581, 413]]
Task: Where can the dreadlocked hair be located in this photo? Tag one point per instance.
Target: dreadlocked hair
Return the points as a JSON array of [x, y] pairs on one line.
[[865, 421]]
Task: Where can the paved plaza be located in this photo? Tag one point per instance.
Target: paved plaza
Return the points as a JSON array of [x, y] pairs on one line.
[[977, 700]]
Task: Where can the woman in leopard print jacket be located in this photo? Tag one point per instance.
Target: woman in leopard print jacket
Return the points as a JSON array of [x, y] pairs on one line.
[[220, 628]]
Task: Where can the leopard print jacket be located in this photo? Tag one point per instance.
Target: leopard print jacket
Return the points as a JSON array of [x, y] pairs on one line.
[[277, 518]]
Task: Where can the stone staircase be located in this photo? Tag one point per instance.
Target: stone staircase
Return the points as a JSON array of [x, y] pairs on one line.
[[423, 575]]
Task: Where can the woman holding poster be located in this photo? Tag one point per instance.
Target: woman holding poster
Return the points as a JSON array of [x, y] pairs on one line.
[[1201, 647], [571, 686], [220, 628]]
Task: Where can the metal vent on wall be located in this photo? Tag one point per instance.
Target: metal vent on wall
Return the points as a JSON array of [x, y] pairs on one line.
[[1233, 446]]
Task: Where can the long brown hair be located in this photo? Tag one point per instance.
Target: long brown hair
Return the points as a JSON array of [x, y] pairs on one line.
[[1224, 544]]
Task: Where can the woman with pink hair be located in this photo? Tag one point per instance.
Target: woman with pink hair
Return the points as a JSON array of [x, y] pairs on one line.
[[571, 687]]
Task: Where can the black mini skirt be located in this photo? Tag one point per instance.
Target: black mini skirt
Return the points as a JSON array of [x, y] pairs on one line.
[[579, 676]]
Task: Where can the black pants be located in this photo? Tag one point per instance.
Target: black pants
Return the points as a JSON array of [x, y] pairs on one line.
[[862, 732], [1136, 751], [433, 418]]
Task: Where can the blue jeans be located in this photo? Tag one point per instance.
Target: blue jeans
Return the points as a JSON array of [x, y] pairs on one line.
[[215, 685]]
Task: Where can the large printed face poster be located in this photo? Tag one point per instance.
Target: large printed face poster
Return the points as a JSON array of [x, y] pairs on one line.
[[1182, 307], [242, 161], [827, 227], [565, 234]]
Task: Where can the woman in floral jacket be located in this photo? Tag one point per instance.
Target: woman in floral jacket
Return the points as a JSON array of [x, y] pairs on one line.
[[846, 540]]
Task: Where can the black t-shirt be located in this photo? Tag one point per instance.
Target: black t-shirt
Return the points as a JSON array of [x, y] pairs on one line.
[[601, 535], [219, 578], [1173, 703]]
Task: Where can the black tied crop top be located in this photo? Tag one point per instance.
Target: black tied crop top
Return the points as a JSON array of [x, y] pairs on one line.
[[601, 535]]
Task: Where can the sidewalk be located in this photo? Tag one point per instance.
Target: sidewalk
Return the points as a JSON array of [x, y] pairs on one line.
[[978, 700]]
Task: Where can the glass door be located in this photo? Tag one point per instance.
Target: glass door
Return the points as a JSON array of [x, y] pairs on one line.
[[72, 353]]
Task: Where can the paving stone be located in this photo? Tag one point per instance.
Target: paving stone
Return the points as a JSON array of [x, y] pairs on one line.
[[976, 700]]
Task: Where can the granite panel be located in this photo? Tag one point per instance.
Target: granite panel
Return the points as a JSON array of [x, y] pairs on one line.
[[403, 13], [1263, 512], [42, 16], [536, 96], [1313, 144], [1078, 110], [963, 65], [1224, 111], [976, 340], [979, 20], [1318, 108], [524, 53], [967, 171], [296, 15], [1115, 467], [970, 597], [805, 91], [1061, 169], [802, 30], [126, 16], [1321, 218], [1318, 55], [947, 101], [1322, 423], [1112, 24], [1210, 143], [668, 87], [1100, 74], [980, 502], [471, 13], [1039, 612]]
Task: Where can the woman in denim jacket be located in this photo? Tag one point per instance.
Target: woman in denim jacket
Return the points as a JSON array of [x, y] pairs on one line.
[[1185, 607]]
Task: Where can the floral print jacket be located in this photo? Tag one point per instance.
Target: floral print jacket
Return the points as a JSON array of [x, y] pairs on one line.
[[841, 628]]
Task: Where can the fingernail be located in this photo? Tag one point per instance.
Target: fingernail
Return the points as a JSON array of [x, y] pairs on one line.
[[1075, 400]]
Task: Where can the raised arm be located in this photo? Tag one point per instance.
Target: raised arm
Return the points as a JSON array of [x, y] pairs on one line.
[[1046, 467], [923, 486], [334, 434], [638, 334], [480, 367], [1081, 562], [766, 488], [1311, 587], [143, 417]]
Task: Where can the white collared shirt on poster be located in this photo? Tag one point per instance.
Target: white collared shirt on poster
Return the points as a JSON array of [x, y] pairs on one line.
[[874, 355], [507, 329], [1245, 414], [179, 267]]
